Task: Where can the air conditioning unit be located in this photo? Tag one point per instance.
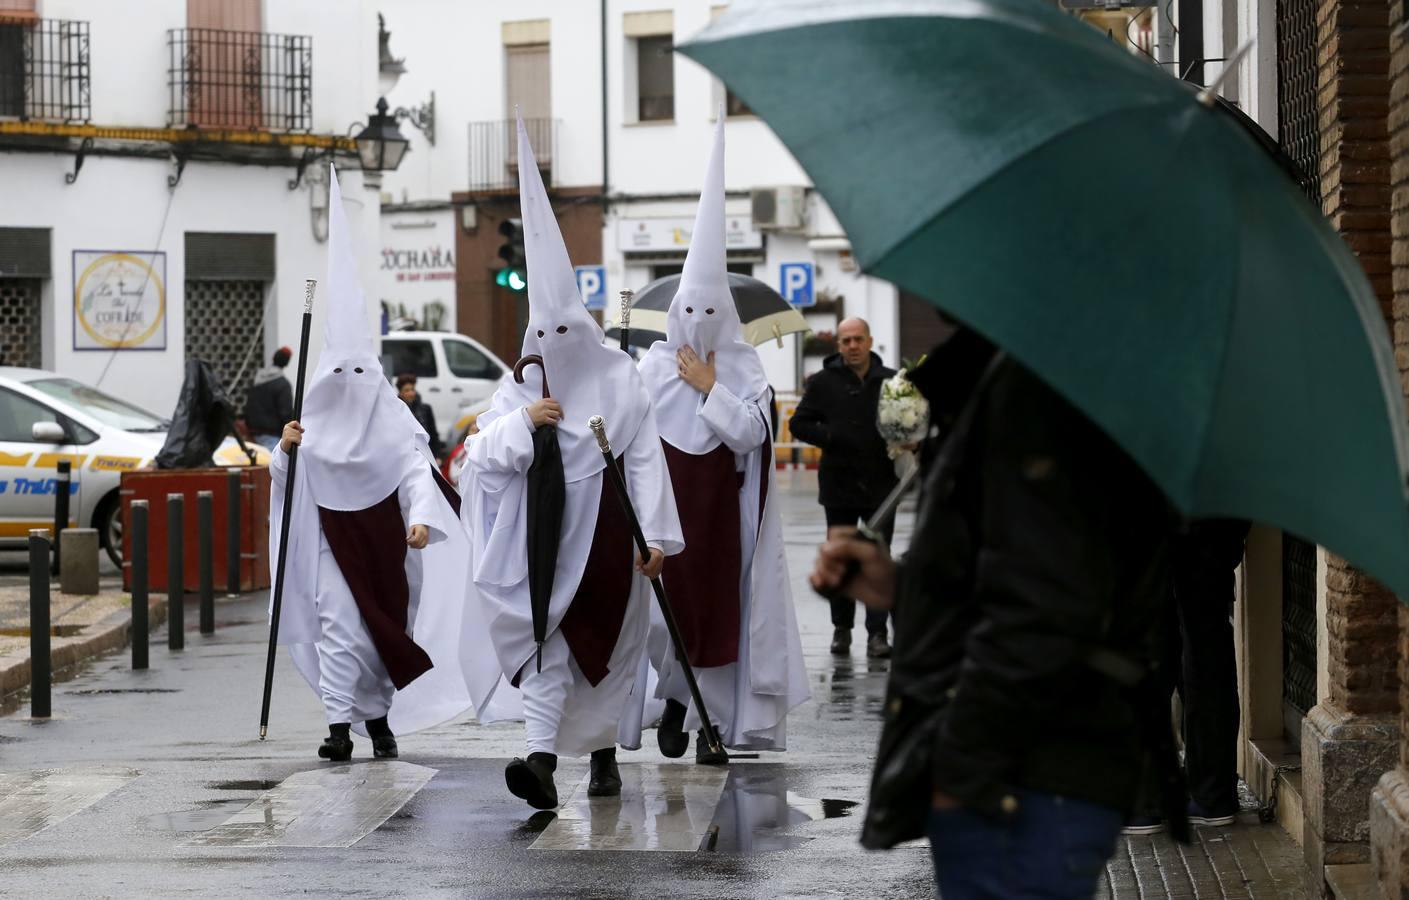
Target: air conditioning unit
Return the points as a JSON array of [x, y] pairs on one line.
[[778, 208]]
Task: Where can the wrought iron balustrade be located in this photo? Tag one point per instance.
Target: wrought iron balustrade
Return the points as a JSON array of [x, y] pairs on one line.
[[44, 70], [494, 152], [240, 79]]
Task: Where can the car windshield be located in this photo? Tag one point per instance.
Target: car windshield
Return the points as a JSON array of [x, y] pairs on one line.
[[105, 408]]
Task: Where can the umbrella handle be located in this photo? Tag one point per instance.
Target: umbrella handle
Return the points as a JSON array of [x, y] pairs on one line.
[[530, 360]]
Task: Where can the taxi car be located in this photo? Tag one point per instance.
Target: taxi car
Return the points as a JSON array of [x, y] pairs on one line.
[[46, 417]]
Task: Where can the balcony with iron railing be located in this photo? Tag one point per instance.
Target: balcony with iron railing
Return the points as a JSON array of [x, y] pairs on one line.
[[240, 79], [44, 72], [494, 152]]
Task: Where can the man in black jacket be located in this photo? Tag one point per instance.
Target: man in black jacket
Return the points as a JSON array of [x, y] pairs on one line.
[[270, 401], [1019, 716], [406, 389], [838, 414]]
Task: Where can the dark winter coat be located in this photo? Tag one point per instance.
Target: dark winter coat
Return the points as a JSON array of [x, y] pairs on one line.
[[1027, 610], [426, 416], [269, 405], [838, 414]]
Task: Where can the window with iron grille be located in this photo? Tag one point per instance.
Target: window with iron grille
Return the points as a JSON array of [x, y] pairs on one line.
[[21, 338], [240, 79], [44, 69], [1299, 133], [224, 320]]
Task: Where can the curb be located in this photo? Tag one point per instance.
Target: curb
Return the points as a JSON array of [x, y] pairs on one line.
[[107, 635]]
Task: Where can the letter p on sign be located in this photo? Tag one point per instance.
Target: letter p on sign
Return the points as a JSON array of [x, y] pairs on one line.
[[592, 285], [796, 284]]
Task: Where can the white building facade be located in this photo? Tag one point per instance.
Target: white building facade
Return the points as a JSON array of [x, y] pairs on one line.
[[622, 123], [163, 187]]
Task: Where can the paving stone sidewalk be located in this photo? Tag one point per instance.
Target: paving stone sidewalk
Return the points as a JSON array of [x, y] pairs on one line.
[[1247, 860]]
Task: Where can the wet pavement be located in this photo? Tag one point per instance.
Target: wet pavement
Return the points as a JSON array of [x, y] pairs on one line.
[[153, 784]]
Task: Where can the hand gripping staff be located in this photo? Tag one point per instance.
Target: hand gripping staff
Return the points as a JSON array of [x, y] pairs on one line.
[[308, 287], [598, 427]]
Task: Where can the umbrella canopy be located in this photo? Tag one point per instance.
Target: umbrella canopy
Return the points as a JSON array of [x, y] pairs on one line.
[[547, 495], [1131, 245], [765, 315]]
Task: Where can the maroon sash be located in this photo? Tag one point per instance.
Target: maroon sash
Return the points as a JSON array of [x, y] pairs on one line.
[[592, 623]]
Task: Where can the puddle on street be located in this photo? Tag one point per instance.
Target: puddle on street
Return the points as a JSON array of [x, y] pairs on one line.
[[254, 784], [55, 631], [210, 814], [88, 691], [758, 814]]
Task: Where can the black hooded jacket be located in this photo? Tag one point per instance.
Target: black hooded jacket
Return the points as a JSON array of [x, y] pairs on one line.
[[838, 414], [1039, 556]]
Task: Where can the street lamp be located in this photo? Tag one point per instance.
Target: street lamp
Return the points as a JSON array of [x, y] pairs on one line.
[[381, 145]]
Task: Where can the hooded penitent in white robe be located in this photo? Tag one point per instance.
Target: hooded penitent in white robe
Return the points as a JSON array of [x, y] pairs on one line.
[[572, 704], [729, 591], [365, 460]]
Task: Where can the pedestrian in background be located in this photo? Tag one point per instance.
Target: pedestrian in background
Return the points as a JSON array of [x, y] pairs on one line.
[[837, 413], [1018, 715], [406, 389], [270, 401]]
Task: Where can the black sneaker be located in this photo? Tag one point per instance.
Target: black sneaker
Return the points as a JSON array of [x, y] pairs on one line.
[[877, 647], [1216, 817], [670, 733], [383, 741], [337, 746], [704, 756], [532, 780], [606, 777], [1143, 825], [841, 642]]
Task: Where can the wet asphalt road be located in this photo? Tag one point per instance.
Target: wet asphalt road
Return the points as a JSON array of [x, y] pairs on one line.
[[157, 763]]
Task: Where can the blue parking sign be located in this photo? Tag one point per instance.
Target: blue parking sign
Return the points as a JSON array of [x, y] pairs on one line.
[[796, 283], [592, 285]]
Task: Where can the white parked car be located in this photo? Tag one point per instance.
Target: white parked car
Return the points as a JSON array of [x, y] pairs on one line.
[[455, 375], [45, 417]]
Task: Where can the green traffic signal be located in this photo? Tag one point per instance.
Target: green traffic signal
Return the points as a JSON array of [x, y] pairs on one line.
[[510, 278]]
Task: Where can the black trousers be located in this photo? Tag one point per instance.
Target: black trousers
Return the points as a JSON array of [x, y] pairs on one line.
[[844, 611], [1209, 689]]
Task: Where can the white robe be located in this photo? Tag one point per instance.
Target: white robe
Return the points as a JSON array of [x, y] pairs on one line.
[[322, 627], [494, 486], [748, 700]]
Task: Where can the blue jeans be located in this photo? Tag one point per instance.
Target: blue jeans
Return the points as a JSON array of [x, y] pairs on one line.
[[1054, 848]]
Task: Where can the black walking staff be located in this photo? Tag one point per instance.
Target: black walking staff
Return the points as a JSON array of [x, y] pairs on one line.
[[547, 496], [308, 287], [598, 427]]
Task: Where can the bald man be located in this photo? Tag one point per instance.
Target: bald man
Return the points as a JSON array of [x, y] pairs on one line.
[[838, 414]]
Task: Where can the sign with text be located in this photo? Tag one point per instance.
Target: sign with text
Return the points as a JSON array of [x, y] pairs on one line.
[[119, 300], [592, 285], [416, 278], [795, 283], [636, 235]]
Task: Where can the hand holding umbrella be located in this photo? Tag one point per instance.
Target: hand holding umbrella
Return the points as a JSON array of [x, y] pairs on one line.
[[547, 494]]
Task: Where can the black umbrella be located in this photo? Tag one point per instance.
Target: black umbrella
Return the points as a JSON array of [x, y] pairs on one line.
[[764, 313], [547, 494]]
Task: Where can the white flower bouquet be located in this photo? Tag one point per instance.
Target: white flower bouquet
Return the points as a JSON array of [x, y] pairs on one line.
[[903, 416]]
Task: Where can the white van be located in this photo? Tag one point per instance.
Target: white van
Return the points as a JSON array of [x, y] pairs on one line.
[[453, 372]]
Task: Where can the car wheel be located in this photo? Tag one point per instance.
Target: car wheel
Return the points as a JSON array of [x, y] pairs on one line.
[[109, 526]]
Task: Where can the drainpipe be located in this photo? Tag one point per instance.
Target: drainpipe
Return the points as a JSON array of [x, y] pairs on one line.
[[604, 112]]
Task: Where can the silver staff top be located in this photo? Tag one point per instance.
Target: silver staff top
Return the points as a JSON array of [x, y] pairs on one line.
[[599, 428], [308, 286]]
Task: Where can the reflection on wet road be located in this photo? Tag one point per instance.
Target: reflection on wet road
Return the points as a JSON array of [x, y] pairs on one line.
[[32, 801]]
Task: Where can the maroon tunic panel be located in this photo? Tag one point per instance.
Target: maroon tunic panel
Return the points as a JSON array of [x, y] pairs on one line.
[[369, 546], [592, 623], [702, 581]]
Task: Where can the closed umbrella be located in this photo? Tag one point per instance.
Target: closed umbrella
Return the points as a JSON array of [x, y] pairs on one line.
[[1122, 236], [765, 315], [547, 494]]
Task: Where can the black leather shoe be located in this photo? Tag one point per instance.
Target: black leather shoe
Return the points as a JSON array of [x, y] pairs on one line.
[[670, 734], [707, 757], [841, 642], [877, 648], [606, 777], [337, 746], [532, 780]]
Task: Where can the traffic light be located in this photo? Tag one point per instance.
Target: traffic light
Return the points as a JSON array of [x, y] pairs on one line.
[[513, 273]]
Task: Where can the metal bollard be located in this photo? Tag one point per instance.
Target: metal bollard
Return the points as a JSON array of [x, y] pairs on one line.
[[61, 498], [232, 527], [205, 543], [137, 522], [175, 573], [41, 673]]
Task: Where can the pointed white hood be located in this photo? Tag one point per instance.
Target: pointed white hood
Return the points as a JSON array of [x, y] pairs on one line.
[[702, 316], [584, 375], [356, 427]]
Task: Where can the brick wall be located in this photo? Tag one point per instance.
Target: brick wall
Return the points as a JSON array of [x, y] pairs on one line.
[[1353, 98]]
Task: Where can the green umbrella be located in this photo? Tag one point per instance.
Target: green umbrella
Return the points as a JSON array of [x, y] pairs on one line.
[[1133, 246]]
